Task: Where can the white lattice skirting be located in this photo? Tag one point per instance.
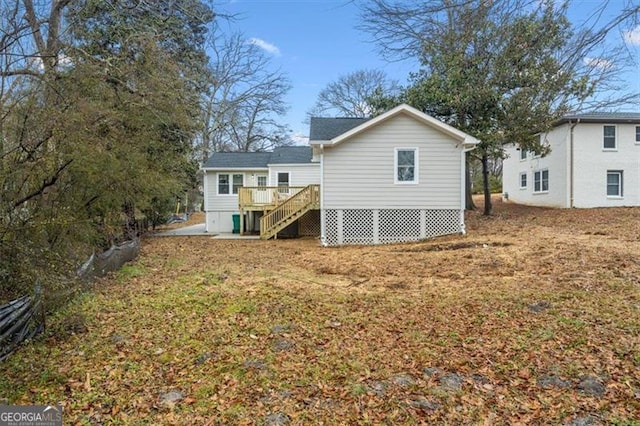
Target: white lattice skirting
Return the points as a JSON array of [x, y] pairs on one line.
[[361, 226]]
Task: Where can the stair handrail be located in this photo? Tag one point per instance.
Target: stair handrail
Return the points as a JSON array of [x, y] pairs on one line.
[[310, 195]]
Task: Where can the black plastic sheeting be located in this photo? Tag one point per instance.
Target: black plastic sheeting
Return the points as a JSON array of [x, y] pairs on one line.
[[23, 318], [111, 260], [20, 319]]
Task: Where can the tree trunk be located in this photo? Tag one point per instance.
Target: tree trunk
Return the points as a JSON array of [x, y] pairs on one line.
[[469, 205], [485, 184]]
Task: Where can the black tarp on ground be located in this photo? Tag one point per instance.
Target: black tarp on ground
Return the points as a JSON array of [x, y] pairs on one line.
[[23, 318]]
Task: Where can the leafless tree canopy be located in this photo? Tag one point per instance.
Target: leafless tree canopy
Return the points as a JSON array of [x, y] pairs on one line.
[[412, 30], [244, 100], [349, 96]]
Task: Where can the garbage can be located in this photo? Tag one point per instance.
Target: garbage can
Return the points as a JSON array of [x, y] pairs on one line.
[[236, 223]]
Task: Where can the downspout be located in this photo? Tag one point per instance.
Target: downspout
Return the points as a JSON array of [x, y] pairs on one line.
[[323, 237], [571, 161]]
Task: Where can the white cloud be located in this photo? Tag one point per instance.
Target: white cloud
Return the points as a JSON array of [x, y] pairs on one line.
[[632, 36], [300, 139], [598, 63], [265, 45]]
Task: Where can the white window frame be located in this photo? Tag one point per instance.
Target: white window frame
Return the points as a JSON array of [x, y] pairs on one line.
[[236, 188], [523, 154], [266, 180], [228, 175], [541, 180], [283, 189], [416, 162], [523, 175], [620, 185], [638, 134], [615, 138]]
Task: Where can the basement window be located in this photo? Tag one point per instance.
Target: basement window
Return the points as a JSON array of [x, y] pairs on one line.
[[614, 183]]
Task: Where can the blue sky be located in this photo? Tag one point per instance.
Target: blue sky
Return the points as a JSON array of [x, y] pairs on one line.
[[315, 41]]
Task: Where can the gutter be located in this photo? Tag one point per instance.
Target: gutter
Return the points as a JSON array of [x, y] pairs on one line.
[[571, 161]]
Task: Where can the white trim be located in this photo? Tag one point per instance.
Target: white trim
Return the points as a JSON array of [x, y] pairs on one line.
[[288, 178], [636, 135], [233, 169], [541, 191], [416, 166], [620, 194], [231, 175], [316, 163], [463, 182], [526, 178], [615, 137], [323, 219], [526, 154], [467, 140]]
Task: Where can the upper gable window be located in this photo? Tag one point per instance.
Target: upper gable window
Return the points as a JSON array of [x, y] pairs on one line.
[[609, 137], [523, 154], [406, 165]]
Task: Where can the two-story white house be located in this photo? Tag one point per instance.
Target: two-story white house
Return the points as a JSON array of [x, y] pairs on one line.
[[594, 162]]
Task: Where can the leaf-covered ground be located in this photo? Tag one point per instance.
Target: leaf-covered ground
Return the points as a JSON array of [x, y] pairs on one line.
[[533, 317]]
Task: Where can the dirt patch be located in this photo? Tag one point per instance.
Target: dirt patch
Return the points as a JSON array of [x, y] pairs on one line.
[[453, 246]]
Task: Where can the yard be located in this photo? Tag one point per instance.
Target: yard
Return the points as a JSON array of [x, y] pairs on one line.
[[533, 317]]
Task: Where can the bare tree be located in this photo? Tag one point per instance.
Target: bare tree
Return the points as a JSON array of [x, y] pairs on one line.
[[504, 70], [350, 95], [244, 100]]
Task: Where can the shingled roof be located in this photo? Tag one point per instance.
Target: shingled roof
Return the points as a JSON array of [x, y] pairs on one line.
[[259, 160], [602, 117], [324, 129]]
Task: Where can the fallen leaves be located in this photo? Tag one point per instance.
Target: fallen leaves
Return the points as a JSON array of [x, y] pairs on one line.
[[520, 321]]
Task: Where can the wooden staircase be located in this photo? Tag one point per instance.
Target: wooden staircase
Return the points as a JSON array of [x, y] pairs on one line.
[[289, 211]]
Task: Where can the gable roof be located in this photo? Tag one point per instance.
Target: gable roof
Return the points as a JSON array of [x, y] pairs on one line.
[[460, 136], [324, 129], [259, 160], [601, 117]]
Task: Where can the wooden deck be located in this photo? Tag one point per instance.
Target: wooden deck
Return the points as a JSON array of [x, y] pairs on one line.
[[265, 198], [281, 206]]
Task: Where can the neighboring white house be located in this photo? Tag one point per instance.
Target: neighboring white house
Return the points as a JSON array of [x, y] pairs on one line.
[[397, 177], [594, 162]]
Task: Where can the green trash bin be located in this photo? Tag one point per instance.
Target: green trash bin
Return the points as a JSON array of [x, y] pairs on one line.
[[236, 223]]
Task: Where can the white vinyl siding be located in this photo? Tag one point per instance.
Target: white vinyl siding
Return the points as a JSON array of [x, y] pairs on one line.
[[299, 174], [358, 173]]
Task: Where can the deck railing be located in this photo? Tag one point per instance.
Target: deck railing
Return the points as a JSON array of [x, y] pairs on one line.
[[254, 197], [286, 213]]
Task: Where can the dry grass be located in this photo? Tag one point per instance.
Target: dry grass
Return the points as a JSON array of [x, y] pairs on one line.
[[255, 332]]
